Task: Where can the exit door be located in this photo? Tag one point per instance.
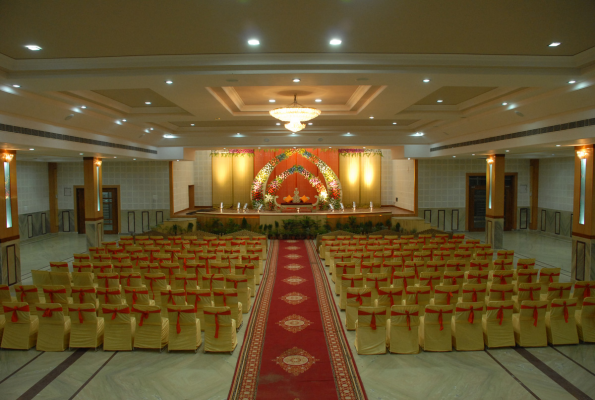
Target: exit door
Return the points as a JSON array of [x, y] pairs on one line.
[[110, 211]]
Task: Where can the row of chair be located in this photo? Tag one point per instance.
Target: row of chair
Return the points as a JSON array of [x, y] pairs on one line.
[[469, 326]]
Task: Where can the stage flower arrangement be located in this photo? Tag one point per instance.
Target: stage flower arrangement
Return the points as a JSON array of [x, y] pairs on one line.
[[329, 194]]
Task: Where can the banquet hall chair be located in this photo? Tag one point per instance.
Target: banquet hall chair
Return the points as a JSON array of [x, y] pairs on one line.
[[349, 281], [240, 283], [419, 295], [499, 292], [57, 294], [560, 322], [152, 330], [54, 327], [473, 293], [85, 295], [356, 297], [435, 332], [388, 297], [370, 330], [467, 332], [547, 276], [229, 298], [402, 329], [86, 329], [445, 295], [526, 291], [156, 283], [497, 324], [175, 297], [82, 279], [30, 295], [200, 298], [138, 296], [120, 327], [529, 324], [220, 330], [20, 327], [41, 278], [585, 320], [582, 290]]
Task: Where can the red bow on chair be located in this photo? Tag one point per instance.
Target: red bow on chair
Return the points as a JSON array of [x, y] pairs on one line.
[[535, 312], [225, 296], [376, 280], [82, 292], [197, 299], [551, 276], [407, 314], [216, 314], [359, 296], [586, 286], [24, 292], [134, 293], [373, 314], [170, 296], [351, 279], [439, 312], [144, 314], [502, 293], [449, 295], [471, 312], [107, 293], [530, 290], [560, 290], [500, 314], [151, 279], [212, 278], [244, 268], [390, 295], [430, 279], [503, 279], [107, 279], [178, 327], [47, 312], [473, 296], [52, 291], [235, 282], [565, 311], [81, 311], [115, 311], [15, 317]]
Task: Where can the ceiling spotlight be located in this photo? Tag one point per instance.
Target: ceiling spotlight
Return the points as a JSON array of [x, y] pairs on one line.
[[83, 107], [16, 86], [168, 136], [438, 101], [169, 82], [394, 123], [408, 158], [554, 44], [80, 154], [330, 147], [296, 80], [507, 151], [238, 133], [191, 124], [309, 123], [454, 156], [117, 122], [293, 133], [271, 100], [504, 104], [364, 147], [371, 117], [123, 120], [426, 80], [318, 100], [148, 103], [278, 123], [31, 149], [33, 47], [418, 134], [335, 42], [472, 154], [115, 157], [150, 129], [177, 160], [134, 159], [572, 81], [348, 133], [253, 42], [558, 145]]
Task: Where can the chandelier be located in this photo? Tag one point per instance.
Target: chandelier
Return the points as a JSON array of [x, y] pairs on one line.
[[294, 114]]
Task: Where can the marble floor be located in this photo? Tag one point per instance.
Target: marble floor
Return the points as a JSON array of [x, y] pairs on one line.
[[563, 372]]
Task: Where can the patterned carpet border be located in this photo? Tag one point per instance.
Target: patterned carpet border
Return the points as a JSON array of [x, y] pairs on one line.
[[347, 379], [245, 380]]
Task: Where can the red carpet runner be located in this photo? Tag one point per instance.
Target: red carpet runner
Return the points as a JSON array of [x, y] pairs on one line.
[[295, 347]]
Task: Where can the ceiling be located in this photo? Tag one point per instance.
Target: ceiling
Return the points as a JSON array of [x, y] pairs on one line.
[[489, 62]]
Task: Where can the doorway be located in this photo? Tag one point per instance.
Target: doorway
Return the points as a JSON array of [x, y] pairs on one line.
[[191, 197], [476, 201], [80, 211], [509, 202], [110, 210]]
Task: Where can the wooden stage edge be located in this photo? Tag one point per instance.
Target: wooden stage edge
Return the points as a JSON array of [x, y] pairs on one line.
[[228, 213]]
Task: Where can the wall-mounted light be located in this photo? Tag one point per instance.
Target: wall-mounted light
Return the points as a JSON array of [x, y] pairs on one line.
[[98, 163], [582, 155], [490, 162], [7, 157]]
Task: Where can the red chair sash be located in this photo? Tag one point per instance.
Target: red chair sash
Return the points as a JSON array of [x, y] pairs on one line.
[[359, 296], [471, 312], [449, 295], [212, 278], [430, 279], [107, 293], [373, 314], [352, 280], [135, 292], [535, 312], [51, 292], [500, 314], [390, 295], [530, 290], [23, 291], [217, 314], [236, 281], [439, 312], [197, 299], [47, 312], [225, 296], [376, 280], [561, 290], [81, 293], [502, 292], [80, 312], [144, 314], [586, 286], [15, 317], [565, 311], [407, 314], [115, 311], [551, 276]]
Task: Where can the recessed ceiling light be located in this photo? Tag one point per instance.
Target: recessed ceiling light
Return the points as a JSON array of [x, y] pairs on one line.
[[348, 133], [335, 42], [148, 103], [507, 151], [318, 100], [191, 124], [134, 159], [238, 133], [408, 158], [472, 154], [115, 157], [330, 147], [371, 117], [151, 129], [169, 82], [293, 133], [364, 147], [253, 42], [278, 123], [80, 154], [418, 134], [271, 100], [572, 81], [426, 80], [558, 145], [394, 123], [31, 149], [83, 107], [16, 86], [123, 120], [438, 101], [177, 160], [454, 156], [296, 80], [555, 44], [168, 136], [310, 123], [504, 104], [33, 47]]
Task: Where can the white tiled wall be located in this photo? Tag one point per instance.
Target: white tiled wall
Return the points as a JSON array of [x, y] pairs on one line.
[[442, 182], [183, 173], [403, 184], [203, 179], [32, 187], [556, 183], [144, 185], [386, 176], [69, 174]]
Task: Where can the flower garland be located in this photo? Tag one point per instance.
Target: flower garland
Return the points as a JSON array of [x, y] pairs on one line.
[[233, 153], [359, 152], [330, 195]]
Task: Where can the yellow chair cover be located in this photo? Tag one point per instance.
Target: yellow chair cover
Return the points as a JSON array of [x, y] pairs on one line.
[[529, 324], [419, 295], [220, 330], [240, 283], [402, 329], [349, 281], [120, 327], [57, 294], [374, 282], [82, 279], [184, 328], [152, 330], [560, 322], [582, 290], [547, 276], [340, 269], [131, 279], [370, 330], [185, 282], [54, 328], [430, 279], [87, 329], [526, 291], [200, 299], [20, 327], [467, 332], [229, 298], [248, 270], [445, 295], [156, 283], [497, 324], [138, 296], [389, 297], [435, 332], [356, 297], [85, 295], [585, 320], [41, 278], [473, 293]]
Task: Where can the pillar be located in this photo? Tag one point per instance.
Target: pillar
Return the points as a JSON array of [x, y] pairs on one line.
[[583, 216], [53, 193], [495, 200], [93, 201], [534, 198], [10, 248]]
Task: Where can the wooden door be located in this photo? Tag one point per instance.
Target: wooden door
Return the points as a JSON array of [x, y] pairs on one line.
[[509, 206], [191, 197], [110, 210], [477, 208], [80, 211]]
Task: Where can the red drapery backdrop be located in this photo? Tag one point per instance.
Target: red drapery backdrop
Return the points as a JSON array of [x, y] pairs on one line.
[[331, 158]]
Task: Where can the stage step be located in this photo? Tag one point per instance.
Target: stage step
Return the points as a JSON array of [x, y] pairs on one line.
[[410, 223]]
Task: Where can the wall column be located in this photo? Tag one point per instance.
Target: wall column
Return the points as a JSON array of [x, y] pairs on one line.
[[534, 198], [53, 192], [93, 201], [583, 216], [10, 248], [495, 201]]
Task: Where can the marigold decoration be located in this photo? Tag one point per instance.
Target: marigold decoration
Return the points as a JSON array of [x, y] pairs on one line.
[[328, 194], [359, 152], [233, 153]]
